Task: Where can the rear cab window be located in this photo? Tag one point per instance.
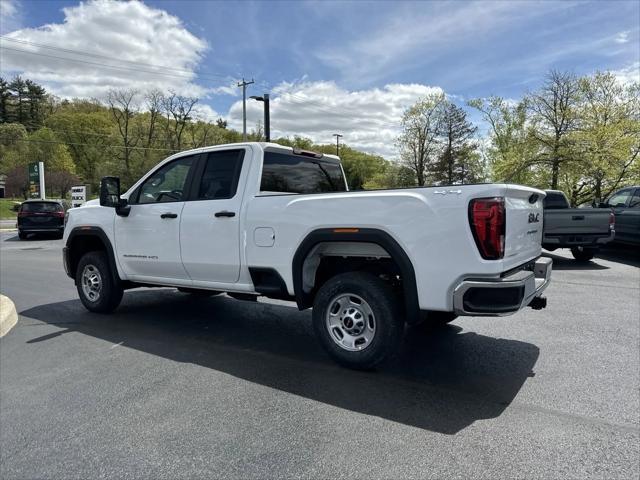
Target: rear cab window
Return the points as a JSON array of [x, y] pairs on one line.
[[284, 172], [555, 200]]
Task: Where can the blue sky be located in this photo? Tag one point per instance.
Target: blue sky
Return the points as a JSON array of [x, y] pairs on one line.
[[353, 51]]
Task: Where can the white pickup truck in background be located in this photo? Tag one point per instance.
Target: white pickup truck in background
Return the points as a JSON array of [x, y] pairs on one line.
[[256, 219]]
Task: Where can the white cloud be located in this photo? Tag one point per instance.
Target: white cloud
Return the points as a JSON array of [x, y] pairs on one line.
[[203, 112], [142, 38], [10, 18], [628, 74], [622, 37], [368, 119]]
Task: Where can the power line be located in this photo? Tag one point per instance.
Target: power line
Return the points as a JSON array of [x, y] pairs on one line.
[[285, 96], [102, 65], [290, 96], [97, 55], [59, 142]]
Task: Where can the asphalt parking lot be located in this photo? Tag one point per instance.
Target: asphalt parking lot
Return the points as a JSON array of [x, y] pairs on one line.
[[175, 387]]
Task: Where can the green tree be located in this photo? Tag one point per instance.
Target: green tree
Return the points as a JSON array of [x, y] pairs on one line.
[[14, 147], [419, 141], [123, 108], [511, 150], [607, 139], [44, 146], [458, 161], [89, 137], [554, 111]]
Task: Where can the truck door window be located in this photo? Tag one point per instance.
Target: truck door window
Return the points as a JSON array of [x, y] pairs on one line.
[[619, 199], [221, 175], [635, 200], [287, 173], [167, 184]]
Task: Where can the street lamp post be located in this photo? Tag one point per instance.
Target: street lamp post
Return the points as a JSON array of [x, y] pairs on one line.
[[338, 136], [267, 119]]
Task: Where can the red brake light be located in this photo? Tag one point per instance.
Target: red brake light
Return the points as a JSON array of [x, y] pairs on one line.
[[487, 221]]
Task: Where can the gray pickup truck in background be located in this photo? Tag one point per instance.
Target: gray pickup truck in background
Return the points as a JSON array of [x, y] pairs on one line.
[[583, 230], [625, 204]]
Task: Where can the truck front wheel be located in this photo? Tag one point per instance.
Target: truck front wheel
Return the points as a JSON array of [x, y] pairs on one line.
[[583, 254], [98, 290], [357, 318]]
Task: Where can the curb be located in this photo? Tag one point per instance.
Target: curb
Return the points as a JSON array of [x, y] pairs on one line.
[[8, 315]]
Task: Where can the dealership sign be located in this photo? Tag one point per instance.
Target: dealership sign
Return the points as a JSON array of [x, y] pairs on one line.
[[34, 180], [78, 195]]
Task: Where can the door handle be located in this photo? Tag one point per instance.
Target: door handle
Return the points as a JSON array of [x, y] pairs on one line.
[[169, 215], [224, 213]]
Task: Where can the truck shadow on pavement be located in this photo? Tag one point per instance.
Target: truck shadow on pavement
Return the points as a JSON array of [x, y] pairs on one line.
[[445, 379], [564, 263]]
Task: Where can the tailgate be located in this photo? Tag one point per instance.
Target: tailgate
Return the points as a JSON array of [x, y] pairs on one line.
[[572, 221], [524, 220]]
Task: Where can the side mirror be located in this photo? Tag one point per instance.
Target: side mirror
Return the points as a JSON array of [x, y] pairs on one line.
[[110, 192], [110, 196]]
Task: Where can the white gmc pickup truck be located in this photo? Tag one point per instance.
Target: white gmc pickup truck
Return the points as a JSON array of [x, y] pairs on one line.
[[256, 219]]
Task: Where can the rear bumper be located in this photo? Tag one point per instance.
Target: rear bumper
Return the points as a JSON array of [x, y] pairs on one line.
[[505, 295], [577, 240], [41, 229]]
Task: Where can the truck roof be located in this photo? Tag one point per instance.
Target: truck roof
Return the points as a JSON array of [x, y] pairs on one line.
[[262, 145]]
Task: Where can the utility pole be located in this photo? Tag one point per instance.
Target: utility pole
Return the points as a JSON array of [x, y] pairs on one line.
[[338, 136], [244, 84]]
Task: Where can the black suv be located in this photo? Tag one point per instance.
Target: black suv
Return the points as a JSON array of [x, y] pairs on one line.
[[41, 216]]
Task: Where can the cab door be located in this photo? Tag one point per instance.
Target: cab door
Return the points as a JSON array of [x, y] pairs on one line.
[[210, 226], [148, 239], [628, 219], [619, 202]]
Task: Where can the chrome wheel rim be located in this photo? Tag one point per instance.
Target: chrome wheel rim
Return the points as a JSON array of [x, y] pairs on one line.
[[91, 283], [350, 322]]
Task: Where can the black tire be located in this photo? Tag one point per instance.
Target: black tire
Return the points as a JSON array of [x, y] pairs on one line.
[[22, 235], [385, 307], [196, 292], [110, 291], [583, 254]]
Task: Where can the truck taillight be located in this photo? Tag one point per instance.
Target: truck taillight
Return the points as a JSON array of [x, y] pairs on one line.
[[612, 221], [487, 220]]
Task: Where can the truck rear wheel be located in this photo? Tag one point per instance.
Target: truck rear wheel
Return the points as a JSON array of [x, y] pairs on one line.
[[583, 254], [357, 318], [98, 290]]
